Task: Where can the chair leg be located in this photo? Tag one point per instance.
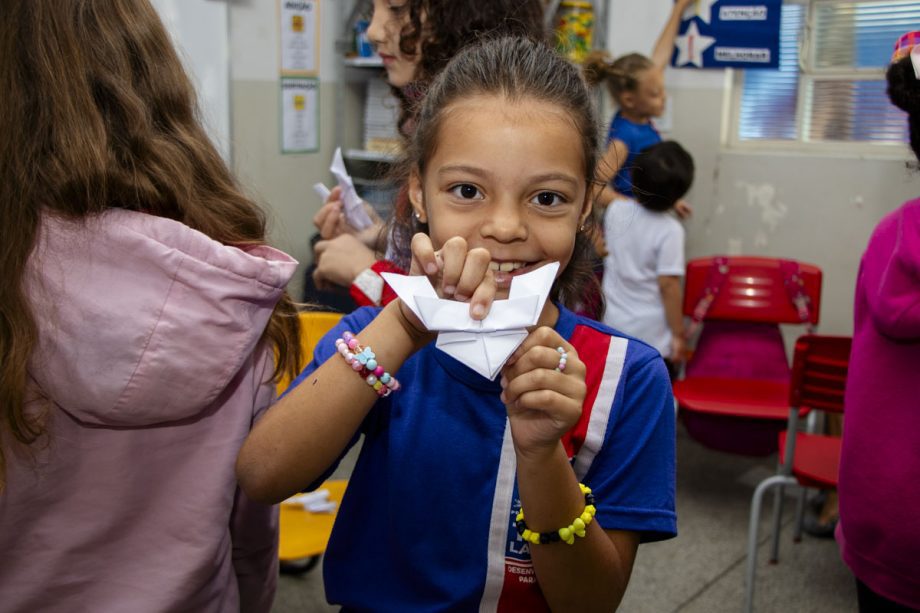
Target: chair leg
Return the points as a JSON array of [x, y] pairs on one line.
[[756, 503], [779, 497], [799, 515]]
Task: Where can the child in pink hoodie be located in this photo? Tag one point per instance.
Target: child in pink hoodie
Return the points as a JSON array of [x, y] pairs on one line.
[[879, 531], [139, 312]]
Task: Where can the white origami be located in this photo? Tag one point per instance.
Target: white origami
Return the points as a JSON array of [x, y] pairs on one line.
[[352, 207], [483, 345]]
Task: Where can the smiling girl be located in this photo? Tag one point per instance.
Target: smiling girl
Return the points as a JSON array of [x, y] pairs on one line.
[[523, 493]]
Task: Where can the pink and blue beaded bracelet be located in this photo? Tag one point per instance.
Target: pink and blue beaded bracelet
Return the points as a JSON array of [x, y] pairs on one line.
[[364, 362]]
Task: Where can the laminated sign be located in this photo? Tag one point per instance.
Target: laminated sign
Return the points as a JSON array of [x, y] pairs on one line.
[[729, 34]]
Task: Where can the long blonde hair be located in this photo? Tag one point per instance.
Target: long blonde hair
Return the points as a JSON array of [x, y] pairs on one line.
[[98, 113]]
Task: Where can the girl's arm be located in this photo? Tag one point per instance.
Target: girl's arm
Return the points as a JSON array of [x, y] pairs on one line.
[[671, 297], [543, 404], [307, 430], [664, 46], [607, 169]]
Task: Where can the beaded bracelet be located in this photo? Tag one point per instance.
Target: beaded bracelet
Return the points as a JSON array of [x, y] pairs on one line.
[[364, 362], [566, 534]]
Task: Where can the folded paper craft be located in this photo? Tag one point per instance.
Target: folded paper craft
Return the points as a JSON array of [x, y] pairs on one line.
[[352, 206], [483, 345]]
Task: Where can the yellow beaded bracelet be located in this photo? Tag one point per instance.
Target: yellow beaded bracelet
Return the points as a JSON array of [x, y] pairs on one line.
[[566, 534]]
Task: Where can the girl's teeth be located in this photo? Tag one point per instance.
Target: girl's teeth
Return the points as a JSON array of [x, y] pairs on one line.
[[505, 266]]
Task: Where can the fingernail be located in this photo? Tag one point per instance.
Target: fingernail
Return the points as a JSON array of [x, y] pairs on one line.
[[504, 382], [502, 398], [449, 289], [479, 310], [461, 297], [431, 268]]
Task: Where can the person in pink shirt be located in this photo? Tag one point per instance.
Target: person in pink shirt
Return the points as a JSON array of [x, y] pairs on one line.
[[879, 531], [140, 311]]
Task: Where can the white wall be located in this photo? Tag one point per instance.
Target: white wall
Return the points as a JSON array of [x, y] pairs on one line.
[[816, 208], [281, 182]]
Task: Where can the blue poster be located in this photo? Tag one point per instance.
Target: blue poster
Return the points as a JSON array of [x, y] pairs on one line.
[[729, 34]]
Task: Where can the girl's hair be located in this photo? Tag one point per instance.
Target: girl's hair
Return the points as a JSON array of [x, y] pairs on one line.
[[98, 113], [514, 69], [904, 93], [661, 175], [621, 75], [440, 28]]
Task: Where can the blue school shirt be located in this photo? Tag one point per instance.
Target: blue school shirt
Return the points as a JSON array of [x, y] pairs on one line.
[[427, 521], [636, 136]]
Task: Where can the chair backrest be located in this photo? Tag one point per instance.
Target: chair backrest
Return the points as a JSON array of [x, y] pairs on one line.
[[752, 289], [313, 326], [819, 372]]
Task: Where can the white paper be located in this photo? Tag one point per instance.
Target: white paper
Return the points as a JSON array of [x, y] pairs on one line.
[[483, 345], [298, 115], [352, 206], [298, 36], [322, 191]]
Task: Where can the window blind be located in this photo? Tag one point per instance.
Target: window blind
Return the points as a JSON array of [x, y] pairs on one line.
[[769, 98]]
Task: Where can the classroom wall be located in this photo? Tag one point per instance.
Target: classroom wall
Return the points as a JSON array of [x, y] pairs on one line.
[[816, 208], [281, 182]]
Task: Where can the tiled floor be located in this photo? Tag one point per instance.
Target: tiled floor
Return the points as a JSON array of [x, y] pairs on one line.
[[701, 570]]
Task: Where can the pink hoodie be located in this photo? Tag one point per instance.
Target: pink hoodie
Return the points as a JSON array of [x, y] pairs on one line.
[[150, 360], [879, 529]]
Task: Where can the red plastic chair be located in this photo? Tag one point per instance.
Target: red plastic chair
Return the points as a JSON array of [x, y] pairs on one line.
[[733, 396], [819, 372]]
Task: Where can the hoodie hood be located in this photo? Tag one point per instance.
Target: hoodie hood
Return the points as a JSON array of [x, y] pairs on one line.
[[143, 320], [890, 274]]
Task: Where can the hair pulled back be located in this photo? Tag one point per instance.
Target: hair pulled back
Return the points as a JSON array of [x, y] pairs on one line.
[[621, 75]]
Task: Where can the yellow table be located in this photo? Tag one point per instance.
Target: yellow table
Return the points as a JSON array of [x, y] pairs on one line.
[[304, 534]]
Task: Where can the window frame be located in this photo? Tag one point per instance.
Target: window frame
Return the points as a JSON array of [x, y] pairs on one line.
[[808, 74]]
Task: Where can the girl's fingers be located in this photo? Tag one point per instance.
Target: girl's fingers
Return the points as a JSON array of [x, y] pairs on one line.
[[475, 269], [423, 255], [484, 294], [453, 255]]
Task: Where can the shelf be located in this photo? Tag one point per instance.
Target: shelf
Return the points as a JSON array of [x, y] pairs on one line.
[[369, 156], [364, 62]]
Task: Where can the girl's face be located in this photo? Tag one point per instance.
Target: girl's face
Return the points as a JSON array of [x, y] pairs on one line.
[[508, 177], [387, 22], [648, 100]]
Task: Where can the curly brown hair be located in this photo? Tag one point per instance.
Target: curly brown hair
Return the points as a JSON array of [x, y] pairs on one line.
[[439, 29], [98, 113]]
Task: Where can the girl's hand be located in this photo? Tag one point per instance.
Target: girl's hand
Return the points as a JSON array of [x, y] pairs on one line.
[[456, 272], [542, 403]]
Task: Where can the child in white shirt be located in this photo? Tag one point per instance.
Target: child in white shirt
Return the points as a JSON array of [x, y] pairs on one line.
[[645, 252]]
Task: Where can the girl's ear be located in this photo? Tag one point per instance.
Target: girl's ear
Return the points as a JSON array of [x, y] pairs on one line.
[[627, 100], [586, 208], [415, 197]]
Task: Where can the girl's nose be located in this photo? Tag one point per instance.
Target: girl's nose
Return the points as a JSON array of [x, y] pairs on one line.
[[505, 222], [376, 31]]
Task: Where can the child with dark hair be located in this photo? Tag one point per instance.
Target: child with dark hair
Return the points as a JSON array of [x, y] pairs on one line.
[[529, 490], [878, 532], [645, 252]]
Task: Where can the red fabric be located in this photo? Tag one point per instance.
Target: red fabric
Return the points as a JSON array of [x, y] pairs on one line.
[[362, 299]]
